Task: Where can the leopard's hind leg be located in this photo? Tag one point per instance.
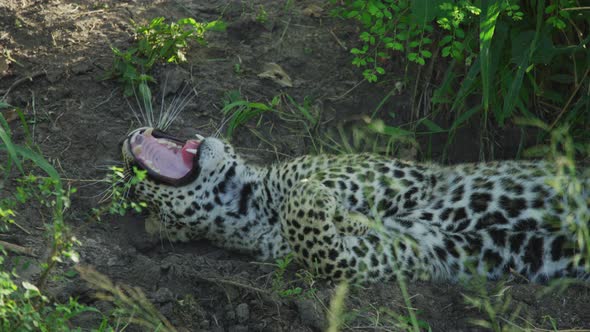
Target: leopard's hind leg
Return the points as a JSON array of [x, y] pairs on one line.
[[308, 217]]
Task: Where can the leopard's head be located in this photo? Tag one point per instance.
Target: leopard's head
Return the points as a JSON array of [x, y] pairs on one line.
[[173, 161], [184, 177]]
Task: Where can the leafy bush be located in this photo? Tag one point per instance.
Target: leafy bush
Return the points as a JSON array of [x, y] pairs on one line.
[[23, 307], [158, 41], [519, 58]]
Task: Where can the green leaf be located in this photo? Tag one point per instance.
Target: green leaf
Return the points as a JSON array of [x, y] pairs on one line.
[[467, 86], [464, 117], [352, 14], [5, 136], [487, 25], [364, 36], [397, 46], [446, 51], [432, 127], [403, 35], [216, 25], [380, 127], [543, 52], [423, 11], [460, 33]]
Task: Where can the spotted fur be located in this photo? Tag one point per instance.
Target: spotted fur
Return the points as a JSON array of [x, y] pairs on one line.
[[365, 217]]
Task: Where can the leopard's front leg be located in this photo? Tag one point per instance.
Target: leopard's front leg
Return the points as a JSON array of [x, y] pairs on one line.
[[307, 217]]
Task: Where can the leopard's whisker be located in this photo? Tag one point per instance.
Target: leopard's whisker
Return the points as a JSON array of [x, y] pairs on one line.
[[145, 106], [178, 108], [141, 120], [178, 104], [165, 110], [159, 124], [163, 229]]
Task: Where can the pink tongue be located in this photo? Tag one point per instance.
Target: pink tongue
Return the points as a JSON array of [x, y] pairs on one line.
[[188, 157]]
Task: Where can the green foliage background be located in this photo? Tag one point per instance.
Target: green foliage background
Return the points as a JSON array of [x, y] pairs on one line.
[[519, 58]]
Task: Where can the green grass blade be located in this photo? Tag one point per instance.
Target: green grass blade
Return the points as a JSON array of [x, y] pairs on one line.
[[303, 111], [445, 89], [26, 128], [5, 136], [464, 117], [380, 127], [432, 126], [468, 85], [516, 85], [497, 58], [487, 25], [40, 161], [513, 92]]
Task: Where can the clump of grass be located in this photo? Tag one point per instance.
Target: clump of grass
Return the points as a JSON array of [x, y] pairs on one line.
[[337, 306], [157, 42], [239, 110], [117, 200], [132, 306], [496, 305], [570, 182], [46, 189], [23, 307]]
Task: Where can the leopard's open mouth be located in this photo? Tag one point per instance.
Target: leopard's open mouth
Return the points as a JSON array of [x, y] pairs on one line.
[[166, 158]]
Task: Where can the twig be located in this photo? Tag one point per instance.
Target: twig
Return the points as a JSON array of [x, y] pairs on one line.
[[280, 41], [88, 13], [576, 8], [106, 100], [236, 284], [347, 92], [22, 228], [338, 40], [18, 249], [23, 80], [570, 99]]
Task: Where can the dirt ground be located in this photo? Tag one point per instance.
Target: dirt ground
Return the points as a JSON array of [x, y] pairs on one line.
[[61, 50]]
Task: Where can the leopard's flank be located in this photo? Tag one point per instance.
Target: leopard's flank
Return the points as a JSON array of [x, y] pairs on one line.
[[360, 217]]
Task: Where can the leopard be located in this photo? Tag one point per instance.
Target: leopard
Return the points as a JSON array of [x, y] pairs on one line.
[[360, 217]]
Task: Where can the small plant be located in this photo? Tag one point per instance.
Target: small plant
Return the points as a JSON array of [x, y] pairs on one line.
[[23, 307], [239, 111], [279, 284], [121, 184], [261, 15], [157, 42], [132, 306], [285, 288], [497, 306], [238, 68]]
